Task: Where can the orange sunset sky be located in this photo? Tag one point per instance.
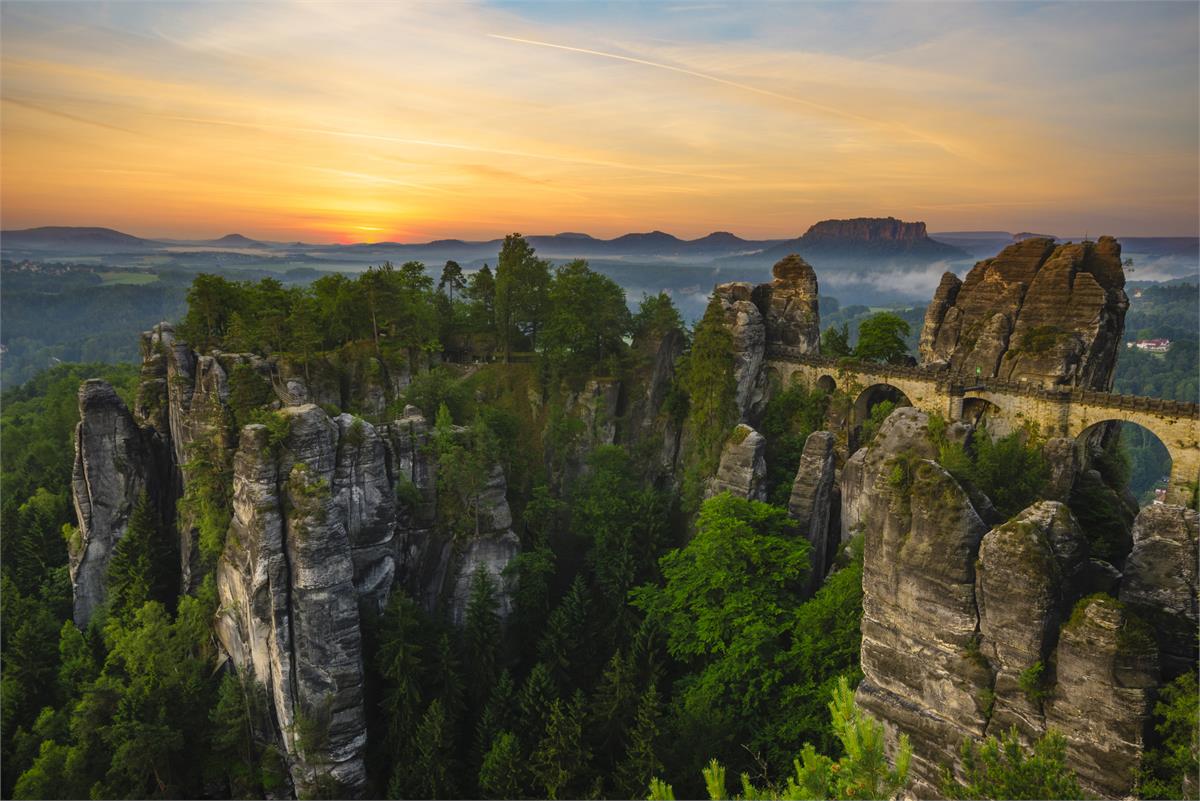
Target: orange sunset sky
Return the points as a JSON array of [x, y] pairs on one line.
[[366, 122]]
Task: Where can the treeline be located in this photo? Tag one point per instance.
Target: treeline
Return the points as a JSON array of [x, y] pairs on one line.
[[575, 318]]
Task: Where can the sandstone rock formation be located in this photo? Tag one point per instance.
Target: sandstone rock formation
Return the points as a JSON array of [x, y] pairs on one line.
[[743, 467], [646, 418], [1107, 673], [814, 503], [115, 462], [1046, 313], [789, 305], [919, 615], [1024, 581], [782, 313], [746, 324], [1161, 581], [966, 634], [286, 584]]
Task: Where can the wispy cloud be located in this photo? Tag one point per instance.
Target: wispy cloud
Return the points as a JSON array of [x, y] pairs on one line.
[[312, 120]]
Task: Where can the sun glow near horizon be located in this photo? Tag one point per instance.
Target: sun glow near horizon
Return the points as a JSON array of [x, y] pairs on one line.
[[332, 123]]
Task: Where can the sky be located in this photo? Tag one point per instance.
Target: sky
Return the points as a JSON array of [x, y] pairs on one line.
[[410, 122]]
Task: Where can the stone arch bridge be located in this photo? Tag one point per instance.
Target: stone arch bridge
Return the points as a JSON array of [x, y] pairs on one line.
[[1058, 412]]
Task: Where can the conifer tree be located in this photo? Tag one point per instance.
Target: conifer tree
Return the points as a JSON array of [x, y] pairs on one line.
[[131, 578], [502, 774], [481, 635], [641, 762], [559, 763], [537, 694]]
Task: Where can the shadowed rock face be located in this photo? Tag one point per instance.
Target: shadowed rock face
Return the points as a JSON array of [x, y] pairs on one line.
[[1161, 580], [749, 330], [1050, 314], [1023, 584], [814, 496], [743, 468], [1107, 667], [115, 463]]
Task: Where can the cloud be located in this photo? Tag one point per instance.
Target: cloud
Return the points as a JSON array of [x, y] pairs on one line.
[[470, 119]]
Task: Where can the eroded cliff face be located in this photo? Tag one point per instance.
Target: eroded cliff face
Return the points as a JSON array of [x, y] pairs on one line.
[[1046, 313], [742, 470], [329, 515], [116, 461], [969, 631], [287, 586], [781, 314], [919, 614]]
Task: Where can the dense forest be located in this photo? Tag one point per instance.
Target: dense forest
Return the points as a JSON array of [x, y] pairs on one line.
[[659, 642]]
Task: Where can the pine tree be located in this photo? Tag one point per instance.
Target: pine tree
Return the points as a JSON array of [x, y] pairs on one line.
[[502, 774], [560, 762], [399, 662], [499, 714], [481, 635], [566, 644], [641, 762], [537, 694], [436, 766], [130, 570], [613, 704]]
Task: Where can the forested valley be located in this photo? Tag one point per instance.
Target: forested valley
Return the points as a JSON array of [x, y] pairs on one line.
[[659, 638]]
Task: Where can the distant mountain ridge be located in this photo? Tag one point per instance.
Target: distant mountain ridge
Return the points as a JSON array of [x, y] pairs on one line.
[[856, 241]]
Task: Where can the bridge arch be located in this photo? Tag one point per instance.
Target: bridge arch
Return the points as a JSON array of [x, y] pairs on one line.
[[866, 402], [1180, 437], [1150, 460], [986, 415]]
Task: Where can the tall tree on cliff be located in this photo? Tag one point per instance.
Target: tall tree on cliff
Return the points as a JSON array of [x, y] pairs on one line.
[[711, 390], [522, 287]]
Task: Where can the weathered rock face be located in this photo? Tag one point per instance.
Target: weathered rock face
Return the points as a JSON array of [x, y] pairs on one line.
[[967, 634], [435, 569], [813, 499], [287, 581], [1161, 580], [783, 313], [906, 431], [746, 324], [115, 462], [743, 468], [919, 614], [1107, 666], [789, 305], [1049, 314], [490, 551], [365, 498], [1024, 582]]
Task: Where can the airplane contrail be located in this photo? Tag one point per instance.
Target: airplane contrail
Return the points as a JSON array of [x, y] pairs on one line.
[[448, 146], [758, 90]]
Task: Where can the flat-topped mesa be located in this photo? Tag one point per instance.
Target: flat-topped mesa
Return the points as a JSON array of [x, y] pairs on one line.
[[866, 229], [1039, 312]]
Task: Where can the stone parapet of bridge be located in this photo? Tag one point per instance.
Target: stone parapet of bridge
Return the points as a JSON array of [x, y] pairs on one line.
[[1052, 411]]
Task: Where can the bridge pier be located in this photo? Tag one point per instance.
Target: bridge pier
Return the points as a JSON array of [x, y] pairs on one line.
[[1185, 472]]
